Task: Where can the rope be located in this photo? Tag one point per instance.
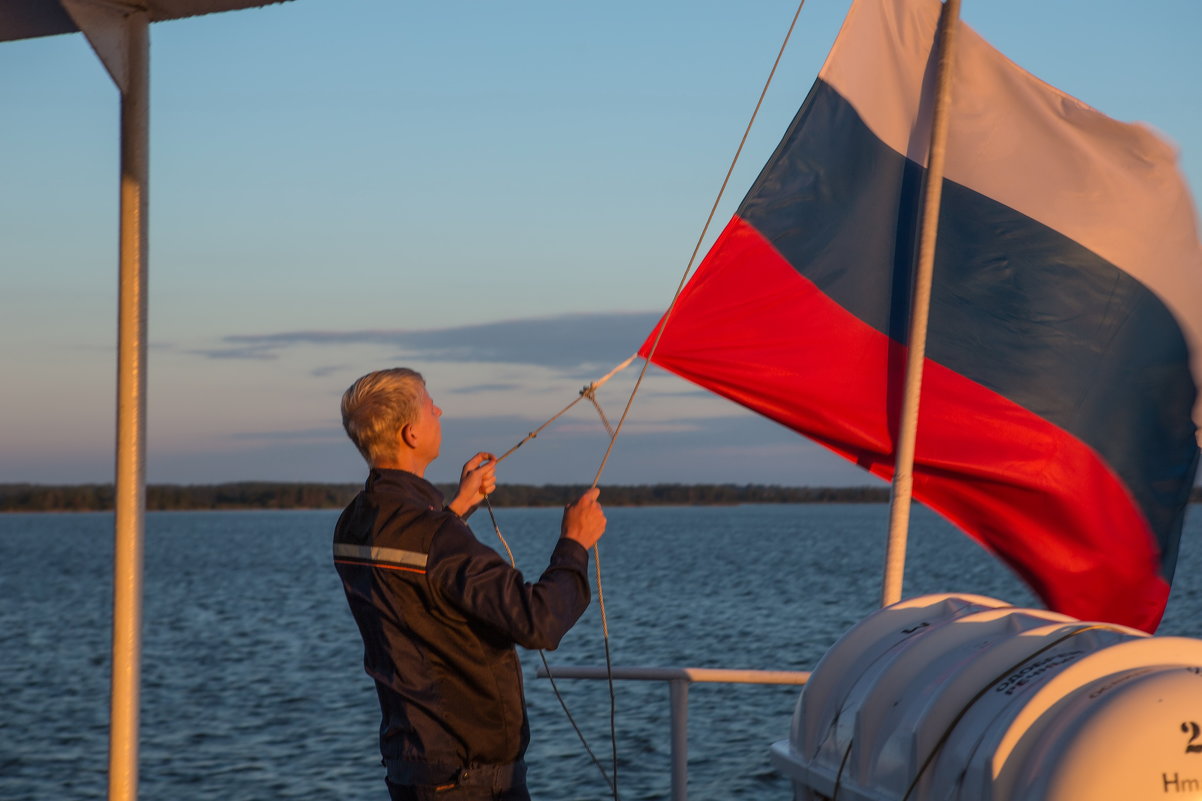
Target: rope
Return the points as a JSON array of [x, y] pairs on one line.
[[590, 392], [700, 239], [547, 668], [839, 775], [647, 363], [614, 432], [609, 664]]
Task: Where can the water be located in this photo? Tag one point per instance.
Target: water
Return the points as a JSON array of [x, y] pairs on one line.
[[253, 688]]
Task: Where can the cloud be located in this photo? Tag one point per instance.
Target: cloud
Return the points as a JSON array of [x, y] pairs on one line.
[[302, 435], [258, 352], [571, 342], [479, 388], [740, 450]]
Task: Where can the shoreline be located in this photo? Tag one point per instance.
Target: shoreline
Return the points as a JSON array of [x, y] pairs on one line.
[[261, 495], [277, 496]]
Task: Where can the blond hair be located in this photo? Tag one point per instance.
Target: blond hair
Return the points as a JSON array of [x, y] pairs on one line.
[[375, 408]]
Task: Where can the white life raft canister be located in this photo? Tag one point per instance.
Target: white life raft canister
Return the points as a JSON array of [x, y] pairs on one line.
[[963, 698]]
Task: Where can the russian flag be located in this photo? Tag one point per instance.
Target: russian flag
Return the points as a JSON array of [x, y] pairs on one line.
[[1058, 422]]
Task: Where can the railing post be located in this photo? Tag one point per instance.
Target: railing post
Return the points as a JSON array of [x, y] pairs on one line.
[[678, 691], [678, 680]]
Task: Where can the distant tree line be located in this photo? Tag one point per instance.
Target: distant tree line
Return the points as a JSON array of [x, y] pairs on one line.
[[291, 495], [159, 497]]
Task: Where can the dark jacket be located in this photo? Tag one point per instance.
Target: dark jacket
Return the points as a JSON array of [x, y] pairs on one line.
[[439, 614]]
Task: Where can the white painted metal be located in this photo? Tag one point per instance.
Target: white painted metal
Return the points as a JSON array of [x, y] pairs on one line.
[[678, 680], [119, 33], [120, 37], [130, 496], [678, 695], [25, 19], [696, 675], [105, 24], [932, 191], [962, 698]]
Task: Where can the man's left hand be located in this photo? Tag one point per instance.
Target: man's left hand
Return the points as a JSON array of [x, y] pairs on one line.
[[478, 479]]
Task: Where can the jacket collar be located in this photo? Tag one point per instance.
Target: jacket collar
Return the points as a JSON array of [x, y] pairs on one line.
[[402, 483]]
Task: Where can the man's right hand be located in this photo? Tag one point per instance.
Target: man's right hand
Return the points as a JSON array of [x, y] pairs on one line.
[[584, 520]]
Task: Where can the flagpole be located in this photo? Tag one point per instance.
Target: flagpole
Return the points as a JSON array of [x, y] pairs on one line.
[[932, 190]]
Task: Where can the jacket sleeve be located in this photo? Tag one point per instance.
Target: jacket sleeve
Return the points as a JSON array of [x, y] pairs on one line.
[[476, 581]]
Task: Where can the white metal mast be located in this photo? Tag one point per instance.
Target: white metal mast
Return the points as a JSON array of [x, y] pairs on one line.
[[932, 190], [119, 33]]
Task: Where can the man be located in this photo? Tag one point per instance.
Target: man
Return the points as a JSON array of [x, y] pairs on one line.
[[438, 611]]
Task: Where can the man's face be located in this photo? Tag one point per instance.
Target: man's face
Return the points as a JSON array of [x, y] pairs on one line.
[[428, 427]]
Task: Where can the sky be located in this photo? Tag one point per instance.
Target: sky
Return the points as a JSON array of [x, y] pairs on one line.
[[503, 196]]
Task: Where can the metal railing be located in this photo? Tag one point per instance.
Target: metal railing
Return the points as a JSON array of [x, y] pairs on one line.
[[678, 680]]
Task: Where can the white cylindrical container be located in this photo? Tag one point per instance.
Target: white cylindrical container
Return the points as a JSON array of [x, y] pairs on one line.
[[963, 698]]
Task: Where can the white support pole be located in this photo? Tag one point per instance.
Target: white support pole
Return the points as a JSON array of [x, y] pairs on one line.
[[131, 417], [932, 190], [119, 32]]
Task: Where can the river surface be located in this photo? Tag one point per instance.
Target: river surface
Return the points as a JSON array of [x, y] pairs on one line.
[[252, 681]]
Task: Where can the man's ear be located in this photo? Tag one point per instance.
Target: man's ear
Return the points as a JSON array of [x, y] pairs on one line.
[[408, 436]]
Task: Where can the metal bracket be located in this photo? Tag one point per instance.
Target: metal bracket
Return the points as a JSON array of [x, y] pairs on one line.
[[105, 24]]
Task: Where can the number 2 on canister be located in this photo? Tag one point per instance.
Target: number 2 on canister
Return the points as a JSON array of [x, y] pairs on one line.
[[1193, 746]]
